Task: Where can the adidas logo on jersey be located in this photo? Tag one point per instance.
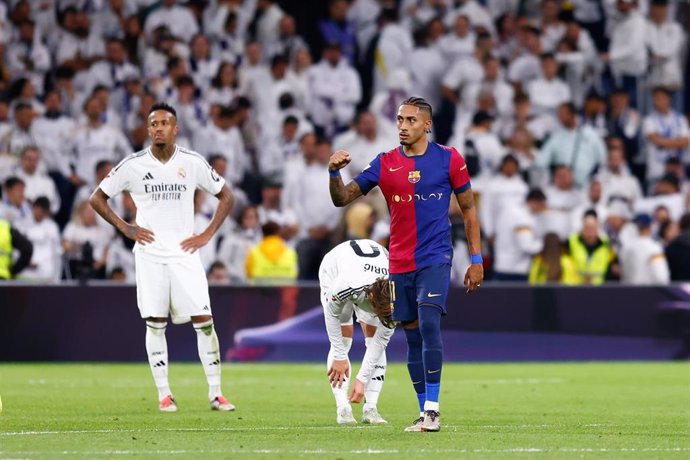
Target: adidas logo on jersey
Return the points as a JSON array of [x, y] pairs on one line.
[[148, 176]]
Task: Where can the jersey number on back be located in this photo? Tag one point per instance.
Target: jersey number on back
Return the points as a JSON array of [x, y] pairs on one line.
[[374, 250]]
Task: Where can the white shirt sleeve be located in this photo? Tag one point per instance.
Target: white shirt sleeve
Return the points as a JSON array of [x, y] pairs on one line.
[[208, 179], [376, 348], [331, 316], [116, 181]]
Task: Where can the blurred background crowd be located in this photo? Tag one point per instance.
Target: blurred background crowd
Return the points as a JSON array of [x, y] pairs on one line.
[[571, 115]]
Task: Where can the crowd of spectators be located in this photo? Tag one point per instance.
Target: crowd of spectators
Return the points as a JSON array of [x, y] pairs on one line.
[[572, 117]]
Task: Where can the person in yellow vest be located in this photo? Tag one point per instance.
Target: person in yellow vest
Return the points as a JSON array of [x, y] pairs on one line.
[[271, 260], [590, 251], [10, 240], [552, 264]]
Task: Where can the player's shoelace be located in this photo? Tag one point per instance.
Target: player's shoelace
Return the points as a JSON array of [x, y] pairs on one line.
[[417, 421]]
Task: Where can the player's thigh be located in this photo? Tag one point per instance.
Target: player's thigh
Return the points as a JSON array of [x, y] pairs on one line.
[[366, 318], [403, 296], [189, 289], [153, 287], [432, 284]]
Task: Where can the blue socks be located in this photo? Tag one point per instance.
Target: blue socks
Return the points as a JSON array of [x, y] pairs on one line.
[[432, 352], [415, 365]]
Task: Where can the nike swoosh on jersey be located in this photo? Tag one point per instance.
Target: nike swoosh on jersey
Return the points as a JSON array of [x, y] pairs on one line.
[[394, 169], [433, 295]]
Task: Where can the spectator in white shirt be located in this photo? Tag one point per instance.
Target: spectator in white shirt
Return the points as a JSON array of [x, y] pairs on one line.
[[235, 246], [156, 56], [596, 201], [80, 45], [500, 192], [36, 181], [578, 147], [279, 150], [315, 212], [615, 175], [85, 244], [395, 43], [202, 66], [229, 44], [27, 56], [562, 197], [493, 83], [666, 133], [578, 57], [23, 91], [625, 123], [224, 85], [221, 137], [643, 261], [272, 209], [114, 70], [179, 19], [482, 149], [466, 71], [459, 43], [264, 25], [526, 67], [552, 28], [336, 90], [548, 92], [96, 141], [665, 39], [288, 41], [617, 225], [363, 141], [21, 134], [518, 237], [53, 131], [627, 54], [44, 234], [192, 110], [426, 79], [14, 206]]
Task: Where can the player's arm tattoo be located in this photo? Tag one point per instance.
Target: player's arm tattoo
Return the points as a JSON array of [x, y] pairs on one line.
[[225, 202], [342, 194], [469, 215], [99, 203]]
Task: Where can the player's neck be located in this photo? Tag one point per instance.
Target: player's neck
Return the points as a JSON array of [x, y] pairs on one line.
[[416, 149], [163, 154]]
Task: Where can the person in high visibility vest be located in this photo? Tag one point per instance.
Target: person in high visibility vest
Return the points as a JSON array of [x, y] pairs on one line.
[[271, 260], [10, 240], [590, 251]]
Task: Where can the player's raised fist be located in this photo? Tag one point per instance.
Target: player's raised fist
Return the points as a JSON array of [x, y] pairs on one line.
[[339, 160]]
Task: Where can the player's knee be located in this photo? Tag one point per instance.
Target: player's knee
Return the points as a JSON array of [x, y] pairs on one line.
[[430, 325], [414, 324], [205, 327], [156, 327]]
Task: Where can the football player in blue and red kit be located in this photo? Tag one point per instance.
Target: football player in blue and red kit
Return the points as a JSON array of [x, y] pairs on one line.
[[418, 179]]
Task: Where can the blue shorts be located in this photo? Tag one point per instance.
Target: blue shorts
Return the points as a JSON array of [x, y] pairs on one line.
[[428, 285]]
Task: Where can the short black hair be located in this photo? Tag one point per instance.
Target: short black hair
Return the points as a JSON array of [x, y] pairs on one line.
[[536, 194], [270, 228], [290, 120], [163, 106], [12, 181], [420, 103], [214, 157], [102, 164], [42, 202]]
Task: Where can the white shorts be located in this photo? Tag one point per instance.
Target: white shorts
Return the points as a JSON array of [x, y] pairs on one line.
[[176, 289]]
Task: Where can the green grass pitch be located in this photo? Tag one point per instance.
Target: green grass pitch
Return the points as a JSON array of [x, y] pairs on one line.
[[561, 411]]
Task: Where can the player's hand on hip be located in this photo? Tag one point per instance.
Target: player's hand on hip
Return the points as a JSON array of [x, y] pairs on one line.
[[474, 277], [139, 234], [340, 369], [357, 393], [194, 242], [339, 160]]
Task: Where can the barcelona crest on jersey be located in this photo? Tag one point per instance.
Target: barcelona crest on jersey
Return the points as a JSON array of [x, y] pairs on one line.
[[414, 176]]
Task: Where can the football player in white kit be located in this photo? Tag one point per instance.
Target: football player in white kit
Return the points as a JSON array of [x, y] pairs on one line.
[[354, 277], [169, 275]]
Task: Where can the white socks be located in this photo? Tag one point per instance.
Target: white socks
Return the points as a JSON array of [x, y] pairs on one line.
[[157, 350], [373, 388], [340, 394], [209, 354]]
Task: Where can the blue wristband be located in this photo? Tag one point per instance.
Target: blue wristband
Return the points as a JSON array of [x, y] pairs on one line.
[[335, 173], [476, 259]]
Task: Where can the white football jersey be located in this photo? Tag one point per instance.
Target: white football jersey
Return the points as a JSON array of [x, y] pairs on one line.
[[349, 268], [164, 195]]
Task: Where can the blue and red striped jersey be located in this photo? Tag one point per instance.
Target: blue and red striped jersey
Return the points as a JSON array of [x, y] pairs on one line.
[[418, 191]]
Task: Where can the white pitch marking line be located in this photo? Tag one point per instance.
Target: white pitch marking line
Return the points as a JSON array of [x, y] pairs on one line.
[[361, 451]]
